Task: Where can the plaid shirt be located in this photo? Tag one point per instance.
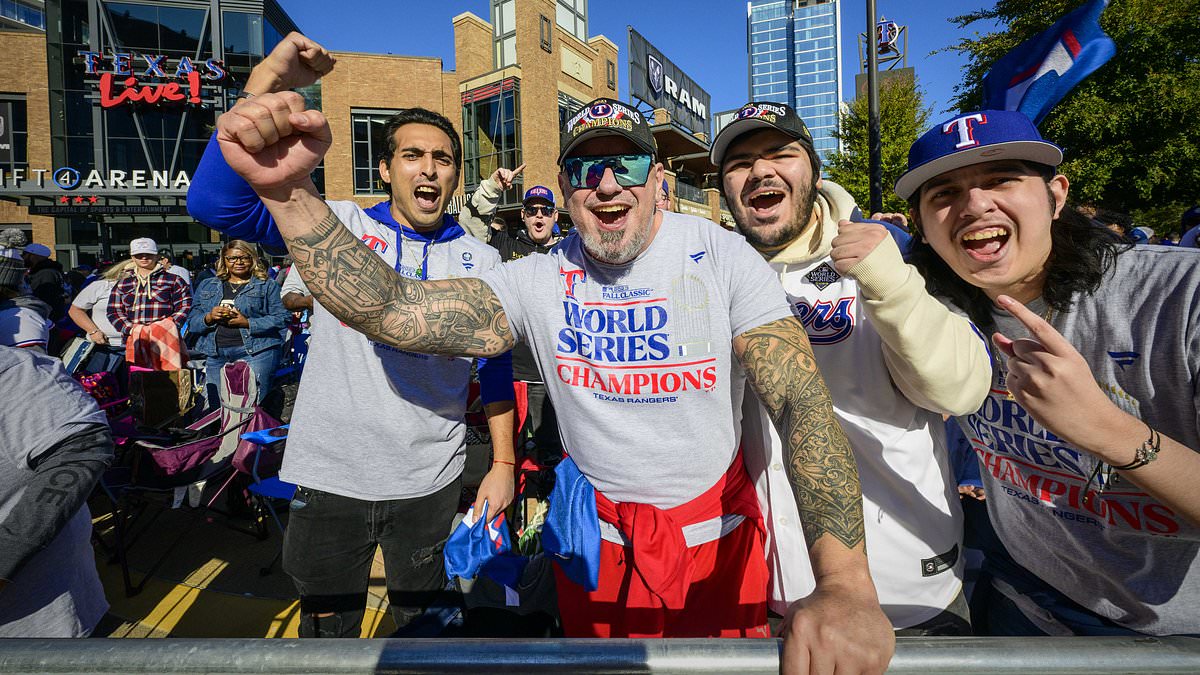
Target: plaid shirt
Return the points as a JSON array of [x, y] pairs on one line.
[[166, 296]]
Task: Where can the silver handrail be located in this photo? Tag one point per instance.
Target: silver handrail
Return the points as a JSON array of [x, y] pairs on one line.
[[978, 656]]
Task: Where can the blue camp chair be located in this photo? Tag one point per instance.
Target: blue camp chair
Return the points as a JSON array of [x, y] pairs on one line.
[[267, 489]]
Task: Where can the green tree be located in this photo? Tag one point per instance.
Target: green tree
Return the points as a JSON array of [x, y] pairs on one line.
[[1130, 131], [902, 117]]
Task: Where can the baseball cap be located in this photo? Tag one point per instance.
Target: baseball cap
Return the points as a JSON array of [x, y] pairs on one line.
[[539, 192], [759, 115], [39, 249], [1141, 235], [974, 138], [142, 245], [606, 117]]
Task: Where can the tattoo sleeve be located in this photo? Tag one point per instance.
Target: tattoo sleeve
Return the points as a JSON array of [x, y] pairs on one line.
[[454, 317], [780, 365]]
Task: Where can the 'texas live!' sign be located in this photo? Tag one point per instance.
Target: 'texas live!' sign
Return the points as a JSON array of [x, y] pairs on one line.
[[175, 82]]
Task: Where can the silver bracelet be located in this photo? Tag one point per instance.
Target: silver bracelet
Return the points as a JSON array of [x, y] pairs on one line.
[[1145, 453]]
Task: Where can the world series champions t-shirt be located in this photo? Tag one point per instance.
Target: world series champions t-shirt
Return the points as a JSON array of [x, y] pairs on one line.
[[637, 358], [1119, 552]]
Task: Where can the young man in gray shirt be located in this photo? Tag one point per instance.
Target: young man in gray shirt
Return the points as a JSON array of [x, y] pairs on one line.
[[1089, 442]]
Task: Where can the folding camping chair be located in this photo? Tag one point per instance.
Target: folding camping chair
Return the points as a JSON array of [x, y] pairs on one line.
[[175, 469], [267, 486]]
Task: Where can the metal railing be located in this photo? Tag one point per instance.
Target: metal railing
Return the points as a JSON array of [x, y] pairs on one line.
[[978, 656], [690, 192]]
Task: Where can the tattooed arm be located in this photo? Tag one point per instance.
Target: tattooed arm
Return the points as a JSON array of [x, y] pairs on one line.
[[273, 143], [841, 622], [456, 317]]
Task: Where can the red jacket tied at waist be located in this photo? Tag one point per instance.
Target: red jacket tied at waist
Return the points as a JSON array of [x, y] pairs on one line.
[[656, 535]]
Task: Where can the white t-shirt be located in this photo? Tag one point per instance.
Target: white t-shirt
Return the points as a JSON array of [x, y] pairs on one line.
[[293, 284], [638, 358], [94, 299], [910, 504], [181, 272], [24, 327]]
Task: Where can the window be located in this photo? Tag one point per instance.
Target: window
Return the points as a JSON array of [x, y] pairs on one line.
[[572, 16], [243, 33], [370, 144], [23, 13], [545, 30], [14, 134], [504, 33], [566, 106], [610, 70], [492, 134]]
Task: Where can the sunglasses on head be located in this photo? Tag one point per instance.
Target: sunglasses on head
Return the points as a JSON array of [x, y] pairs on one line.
[[539, 210], [588, 171]]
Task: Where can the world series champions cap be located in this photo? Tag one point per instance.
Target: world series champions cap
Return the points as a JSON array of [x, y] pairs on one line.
[[760, 115], [975, 138], [606, 117]]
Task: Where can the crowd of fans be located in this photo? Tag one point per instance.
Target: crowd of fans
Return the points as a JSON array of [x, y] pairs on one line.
[[994, 352]]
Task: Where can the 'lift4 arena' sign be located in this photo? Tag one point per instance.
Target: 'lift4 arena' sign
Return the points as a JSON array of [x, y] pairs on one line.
[[123, 75]]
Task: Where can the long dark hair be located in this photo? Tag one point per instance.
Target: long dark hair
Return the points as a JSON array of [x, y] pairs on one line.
[[1081, 253]]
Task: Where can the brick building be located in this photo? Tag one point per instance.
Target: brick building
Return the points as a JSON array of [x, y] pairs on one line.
[[516, 79]]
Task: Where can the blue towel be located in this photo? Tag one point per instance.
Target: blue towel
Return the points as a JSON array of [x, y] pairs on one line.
[[572, 530]]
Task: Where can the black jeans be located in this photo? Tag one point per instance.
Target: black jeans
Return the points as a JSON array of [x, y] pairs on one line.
[[330, 543]]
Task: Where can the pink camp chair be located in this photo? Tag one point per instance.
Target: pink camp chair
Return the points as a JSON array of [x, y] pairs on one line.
[[149, 473]]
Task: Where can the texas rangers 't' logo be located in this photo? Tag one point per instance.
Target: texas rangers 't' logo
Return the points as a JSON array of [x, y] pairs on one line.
[[378, 245], [570, 278]]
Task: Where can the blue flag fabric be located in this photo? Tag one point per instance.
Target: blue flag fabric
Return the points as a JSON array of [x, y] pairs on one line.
[[475, 543], [1035, 76]]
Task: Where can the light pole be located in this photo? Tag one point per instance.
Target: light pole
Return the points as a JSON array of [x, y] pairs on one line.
[[874, 146]]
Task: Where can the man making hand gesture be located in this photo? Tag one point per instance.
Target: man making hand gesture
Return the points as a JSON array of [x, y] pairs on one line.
[[1088, 441], [377, 442]]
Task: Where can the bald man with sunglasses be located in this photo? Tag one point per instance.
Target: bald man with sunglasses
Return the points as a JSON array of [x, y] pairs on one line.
[[642, 322]]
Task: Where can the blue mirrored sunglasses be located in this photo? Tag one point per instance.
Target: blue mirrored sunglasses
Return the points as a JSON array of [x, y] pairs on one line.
[[588, 171]]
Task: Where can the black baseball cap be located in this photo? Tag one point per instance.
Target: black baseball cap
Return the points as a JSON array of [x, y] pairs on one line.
[[606, 117], [760, 115]]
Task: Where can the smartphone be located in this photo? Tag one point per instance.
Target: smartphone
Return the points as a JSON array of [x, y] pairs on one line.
[[227, 303]]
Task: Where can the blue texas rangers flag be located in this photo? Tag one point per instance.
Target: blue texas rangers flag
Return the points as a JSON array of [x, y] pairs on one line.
[[1035, 76]]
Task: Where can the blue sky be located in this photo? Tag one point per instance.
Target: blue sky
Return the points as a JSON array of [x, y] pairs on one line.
[[706, 38]]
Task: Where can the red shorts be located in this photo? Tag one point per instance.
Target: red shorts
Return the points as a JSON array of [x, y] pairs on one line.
[[727, 596]]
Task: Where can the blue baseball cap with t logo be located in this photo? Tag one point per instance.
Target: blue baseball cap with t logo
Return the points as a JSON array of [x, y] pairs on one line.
[[975, 138]]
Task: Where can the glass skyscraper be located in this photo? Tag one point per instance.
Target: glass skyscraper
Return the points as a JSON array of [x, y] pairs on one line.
[[795, 58]]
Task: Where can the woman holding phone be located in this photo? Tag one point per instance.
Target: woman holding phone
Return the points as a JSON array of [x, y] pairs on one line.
[[238, 316]]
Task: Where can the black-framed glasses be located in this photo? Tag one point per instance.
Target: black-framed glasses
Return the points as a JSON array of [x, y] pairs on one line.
[[588, 171], [237, 258], [539, 210]]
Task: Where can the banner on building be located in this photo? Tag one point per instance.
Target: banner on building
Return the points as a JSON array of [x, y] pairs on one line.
[[653, 78], [6, 134]]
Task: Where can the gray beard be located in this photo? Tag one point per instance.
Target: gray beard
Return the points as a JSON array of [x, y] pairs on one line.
[[604, 248]]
